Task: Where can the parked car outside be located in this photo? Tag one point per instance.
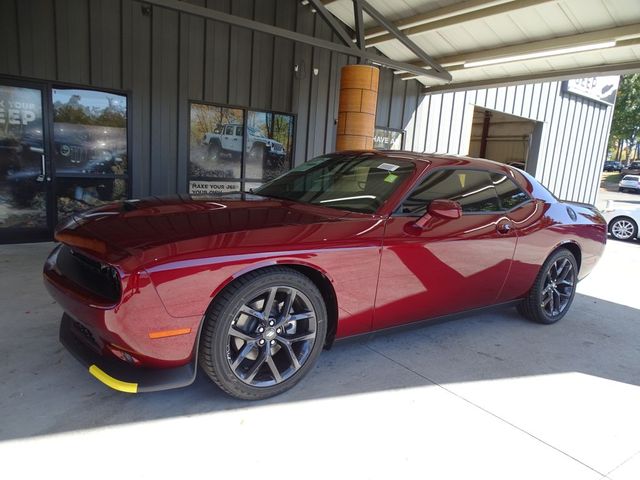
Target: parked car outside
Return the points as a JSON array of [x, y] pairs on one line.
[[622, 220], [632, 168], [629, 183], [612, 166], [252, 287]]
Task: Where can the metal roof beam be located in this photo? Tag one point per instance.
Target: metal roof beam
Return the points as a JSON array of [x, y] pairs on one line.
[[397, 34], [434, 15], [448, 16], [550, 76], [336, 26], [359, 23], [242, 22], [620, 34]]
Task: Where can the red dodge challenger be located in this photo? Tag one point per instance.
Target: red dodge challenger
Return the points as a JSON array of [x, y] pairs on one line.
[[252, 286]]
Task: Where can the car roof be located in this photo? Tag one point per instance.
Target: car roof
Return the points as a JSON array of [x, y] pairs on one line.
[[439, 159]]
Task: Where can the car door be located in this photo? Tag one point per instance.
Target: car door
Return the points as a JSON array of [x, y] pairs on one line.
[[450, 265]]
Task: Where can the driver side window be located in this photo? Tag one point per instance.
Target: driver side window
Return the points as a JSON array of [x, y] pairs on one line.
[[473, 189]]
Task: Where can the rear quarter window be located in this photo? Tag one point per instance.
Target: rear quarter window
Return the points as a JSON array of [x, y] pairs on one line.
[[510, 194]]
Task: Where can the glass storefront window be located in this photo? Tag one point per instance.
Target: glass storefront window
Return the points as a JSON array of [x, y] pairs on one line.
[[269, 145], [215, 147], [226, 156], [89, 149], [89, 132], [22, 171]]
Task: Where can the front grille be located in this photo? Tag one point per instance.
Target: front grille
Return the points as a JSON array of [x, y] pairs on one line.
[[90, 275], [73, 155]]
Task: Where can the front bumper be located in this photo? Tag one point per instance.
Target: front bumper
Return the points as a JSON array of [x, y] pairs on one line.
[[120, 375]]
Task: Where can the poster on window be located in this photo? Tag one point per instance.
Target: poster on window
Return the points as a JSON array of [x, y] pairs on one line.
[[387, 139], [215, 144], [212, 187], [90, 148], [22, 195], [269, 145]]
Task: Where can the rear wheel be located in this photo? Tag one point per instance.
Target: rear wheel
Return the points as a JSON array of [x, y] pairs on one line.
[[553, 290], [623, 228], [263, 333]]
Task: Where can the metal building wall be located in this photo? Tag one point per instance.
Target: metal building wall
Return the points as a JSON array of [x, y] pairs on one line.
[[165, 58], [574, 135]]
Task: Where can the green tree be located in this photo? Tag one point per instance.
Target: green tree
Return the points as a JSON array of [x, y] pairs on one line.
[[625, 126]]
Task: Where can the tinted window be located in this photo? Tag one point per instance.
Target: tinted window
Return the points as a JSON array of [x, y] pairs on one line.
[[509, 193], [473, 189]]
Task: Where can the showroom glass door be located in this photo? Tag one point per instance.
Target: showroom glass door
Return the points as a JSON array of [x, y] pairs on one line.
[[25, 178], [89, 149]]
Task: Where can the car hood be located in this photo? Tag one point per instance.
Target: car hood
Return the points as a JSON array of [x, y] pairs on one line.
[[134, 226]]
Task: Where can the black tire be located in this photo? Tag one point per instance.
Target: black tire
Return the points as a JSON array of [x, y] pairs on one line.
[[533, 306], [214, 150], [623, 228], [219, 346]]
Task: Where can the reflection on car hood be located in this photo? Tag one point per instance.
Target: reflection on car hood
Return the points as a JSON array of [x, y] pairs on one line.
[[137, 225]]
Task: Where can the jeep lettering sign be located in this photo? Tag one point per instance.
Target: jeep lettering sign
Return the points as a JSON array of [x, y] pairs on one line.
[[19, 106], [601, 89]]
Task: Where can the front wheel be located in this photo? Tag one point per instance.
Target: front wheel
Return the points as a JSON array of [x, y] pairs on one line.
[[553, 290], [263, 333]]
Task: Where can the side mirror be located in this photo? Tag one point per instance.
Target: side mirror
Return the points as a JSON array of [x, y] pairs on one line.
[[447, 209]]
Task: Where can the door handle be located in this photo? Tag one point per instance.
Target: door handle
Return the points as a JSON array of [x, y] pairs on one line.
[[504, 227], [40, 178]]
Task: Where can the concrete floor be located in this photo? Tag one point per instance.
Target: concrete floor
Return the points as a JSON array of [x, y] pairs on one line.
[[489, 396]]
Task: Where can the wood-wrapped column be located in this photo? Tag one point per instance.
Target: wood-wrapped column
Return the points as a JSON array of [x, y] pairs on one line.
[[357, 110]]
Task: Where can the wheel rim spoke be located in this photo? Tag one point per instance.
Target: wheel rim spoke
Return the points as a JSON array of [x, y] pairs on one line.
[[291, 296], [242, 354], [247, 310], [268, 305], [292, 355], [301, 337], [235, 332], [253, 370], [274, 369]]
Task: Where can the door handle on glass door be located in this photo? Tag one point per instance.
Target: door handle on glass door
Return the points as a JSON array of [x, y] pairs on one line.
[[41, 177]]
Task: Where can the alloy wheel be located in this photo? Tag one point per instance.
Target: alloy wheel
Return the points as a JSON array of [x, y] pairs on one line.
[[558, 287], [271, 336], [622, 229]]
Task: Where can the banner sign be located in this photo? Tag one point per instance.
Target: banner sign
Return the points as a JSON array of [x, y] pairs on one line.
[[601, 89]]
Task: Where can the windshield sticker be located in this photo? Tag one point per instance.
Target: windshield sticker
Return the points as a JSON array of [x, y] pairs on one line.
[[392, 177], [388, 166]]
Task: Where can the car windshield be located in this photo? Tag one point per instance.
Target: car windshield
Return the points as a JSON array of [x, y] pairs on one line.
[[358, 183], [631, 177]]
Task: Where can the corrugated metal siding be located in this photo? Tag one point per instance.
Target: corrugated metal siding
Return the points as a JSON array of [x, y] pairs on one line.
[[574, 137], [168, 58]]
